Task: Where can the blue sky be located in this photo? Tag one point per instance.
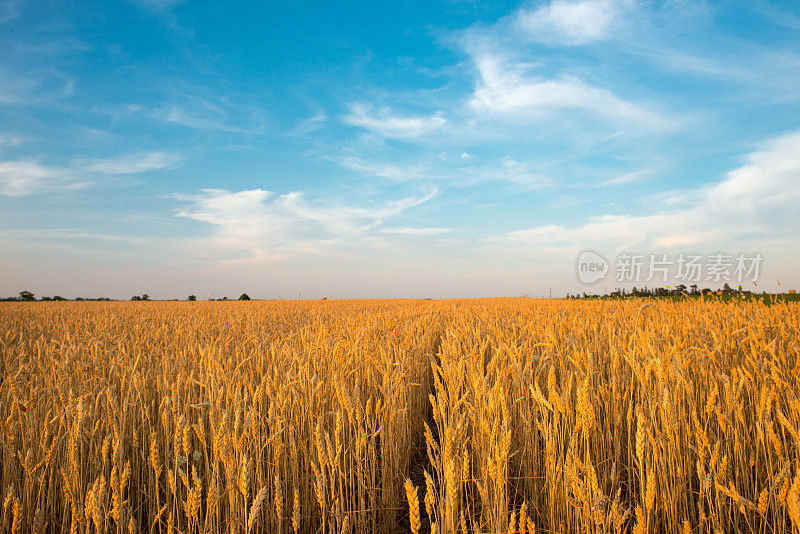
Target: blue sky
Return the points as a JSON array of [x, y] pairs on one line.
[[407, 149]]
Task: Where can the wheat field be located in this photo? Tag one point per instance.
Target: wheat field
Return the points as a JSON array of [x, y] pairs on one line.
[[502, 415]]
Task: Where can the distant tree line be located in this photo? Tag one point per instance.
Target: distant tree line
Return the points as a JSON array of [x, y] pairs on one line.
[[28, 296], [243, 296], [678, 291]]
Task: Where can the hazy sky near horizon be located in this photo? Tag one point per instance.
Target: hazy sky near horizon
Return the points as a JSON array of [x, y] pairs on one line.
[[409, 148]]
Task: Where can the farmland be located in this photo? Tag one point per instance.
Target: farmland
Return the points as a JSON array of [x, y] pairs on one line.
[[497, 415]]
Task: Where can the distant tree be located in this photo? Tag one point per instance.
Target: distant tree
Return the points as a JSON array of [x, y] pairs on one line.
[[192, 298], [244, 296], [145, 296], [26, 296], [136, 297], [223, 298]]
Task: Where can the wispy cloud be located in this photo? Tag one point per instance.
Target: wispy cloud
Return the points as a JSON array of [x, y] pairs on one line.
[[521, 173], [629, 177], [769, 180], [267, 225], [424, 231], [383, 170], [776, 15], [569, 22], [759, 198], [509, 89], [11, 140], [459, 170], [206, 116], [189, 109], [389, 124], [310, 124], [133, 163], [38, 86], [28, 177], [648, 32]]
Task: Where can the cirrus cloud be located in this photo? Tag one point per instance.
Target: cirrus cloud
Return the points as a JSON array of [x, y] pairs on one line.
[[388, 124], [26, 177], [756, 199], [569, 22], [264, 224]]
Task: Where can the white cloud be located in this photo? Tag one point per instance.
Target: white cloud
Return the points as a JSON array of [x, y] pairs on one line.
[[759, 198], [200, 118], [133, 163], [310, 124], [34, 87], [569, 22], [388, 124], [629, 177], [428, 231], [209, 112], [459, 170], [270, 226], [384, 170], [11, 140], [618, 232], [769, 180], [509, 90], [524, 173], [29, 177]]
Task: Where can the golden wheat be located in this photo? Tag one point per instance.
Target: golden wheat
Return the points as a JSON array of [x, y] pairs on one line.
[[510, 415]]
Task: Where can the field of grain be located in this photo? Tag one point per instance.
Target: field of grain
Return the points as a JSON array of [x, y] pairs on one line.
[[507, 415]]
